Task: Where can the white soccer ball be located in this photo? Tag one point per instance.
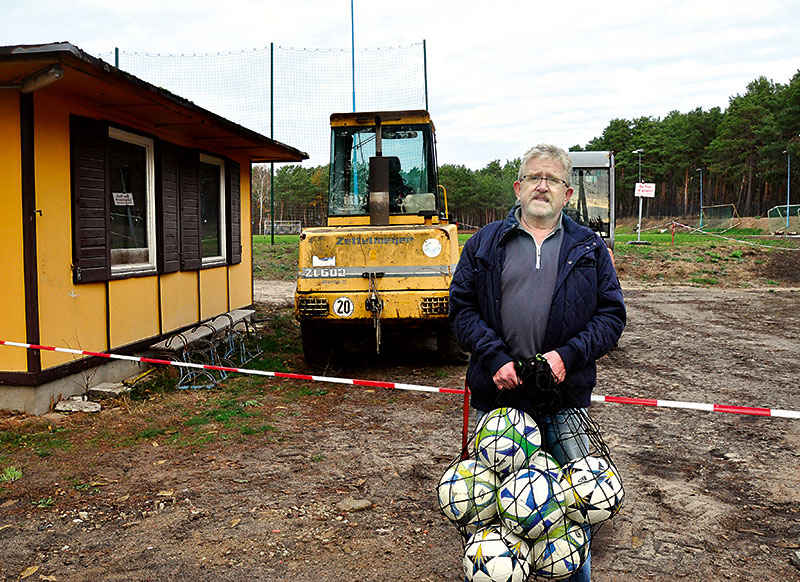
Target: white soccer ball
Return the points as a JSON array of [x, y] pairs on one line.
[[529, 502], [493, 554], [546, 462], [467, 493], [506, 440], [593, 489], [561, 551]]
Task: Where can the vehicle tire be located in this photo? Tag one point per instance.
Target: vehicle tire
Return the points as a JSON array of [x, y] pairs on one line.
[[447, 347], [317, 347]]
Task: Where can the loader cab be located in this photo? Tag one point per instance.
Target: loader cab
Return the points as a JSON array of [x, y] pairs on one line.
[[393, 153]]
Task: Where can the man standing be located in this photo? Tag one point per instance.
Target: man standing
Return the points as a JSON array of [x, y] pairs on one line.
[[538, 283]]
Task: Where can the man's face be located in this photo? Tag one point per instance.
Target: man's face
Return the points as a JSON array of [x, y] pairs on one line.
[[542, 202]]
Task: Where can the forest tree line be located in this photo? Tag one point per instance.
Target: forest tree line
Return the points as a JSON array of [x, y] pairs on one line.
[[743, 155]]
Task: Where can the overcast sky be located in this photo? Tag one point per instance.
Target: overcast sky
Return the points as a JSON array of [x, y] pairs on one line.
[[502, 75]]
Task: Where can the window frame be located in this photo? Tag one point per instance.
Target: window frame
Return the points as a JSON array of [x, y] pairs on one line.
[[125, 270], [222, 258]]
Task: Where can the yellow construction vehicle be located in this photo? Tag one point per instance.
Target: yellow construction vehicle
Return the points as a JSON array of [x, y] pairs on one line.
[[389, 249]]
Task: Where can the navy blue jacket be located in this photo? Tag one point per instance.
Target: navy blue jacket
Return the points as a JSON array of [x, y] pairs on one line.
[[587, 314]]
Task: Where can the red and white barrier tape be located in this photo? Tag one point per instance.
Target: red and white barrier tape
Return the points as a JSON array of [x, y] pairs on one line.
[[749, 410], [370, 383]]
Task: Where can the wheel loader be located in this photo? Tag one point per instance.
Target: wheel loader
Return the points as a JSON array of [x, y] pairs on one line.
[[387, 254]]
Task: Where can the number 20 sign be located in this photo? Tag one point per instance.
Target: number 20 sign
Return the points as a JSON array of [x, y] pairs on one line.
[[343, 307]]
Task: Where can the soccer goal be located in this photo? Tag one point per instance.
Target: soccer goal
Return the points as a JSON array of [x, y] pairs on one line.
[[283, 227], [784, 219], [719, 217]]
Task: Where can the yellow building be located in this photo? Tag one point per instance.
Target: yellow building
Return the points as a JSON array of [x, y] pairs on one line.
[[124, 215]]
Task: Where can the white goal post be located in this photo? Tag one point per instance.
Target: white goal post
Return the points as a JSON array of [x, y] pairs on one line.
[[784, 219], [719, 217]]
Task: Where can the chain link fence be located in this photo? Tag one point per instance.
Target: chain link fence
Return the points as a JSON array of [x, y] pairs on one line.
[[288, 93]]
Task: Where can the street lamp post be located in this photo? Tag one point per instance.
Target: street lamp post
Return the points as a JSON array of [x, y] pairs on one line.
[[701, 195], [639, 229], [788, 184]]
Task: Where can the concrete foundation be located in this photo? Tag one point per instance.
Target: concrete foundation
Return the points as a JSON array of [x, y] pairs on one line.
[[41, 399]]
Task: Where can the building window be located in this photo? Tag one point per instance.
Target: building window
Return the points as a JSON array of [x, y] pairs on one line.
[[141, 205], [131, 202], [212, 209]]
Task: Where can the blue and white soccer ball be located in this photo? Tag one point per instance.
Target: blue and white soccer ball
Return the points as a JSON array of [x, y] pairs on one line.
[[467, 493], [546, 462], [506, 440], [529, 502], [593, 489], [493, 554], [560, 551]]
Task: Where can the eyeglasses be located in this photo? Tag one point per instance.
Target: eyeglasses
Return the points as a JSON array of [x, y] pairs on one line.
[[551, 182]]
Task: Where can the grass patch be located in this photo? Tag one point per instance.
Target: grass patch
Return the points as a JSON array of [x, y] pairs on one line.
[[226, 411], [704, 280], [276, 261], [257, 430], [79, 485], [41, 440], [150, 433], [10, 474]]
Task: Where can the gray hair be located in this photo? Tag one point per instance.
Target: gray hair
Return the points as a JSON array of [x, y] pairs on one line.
[[547, 152]]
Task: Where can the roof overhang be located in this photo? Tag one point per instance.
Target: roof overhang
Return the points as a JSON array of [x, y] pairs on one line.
[[64, 70], [590, 159]]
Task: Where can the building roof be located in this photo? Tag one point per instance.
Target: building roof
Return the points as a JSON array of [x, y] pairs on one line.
[[97, 84], [590, 159]]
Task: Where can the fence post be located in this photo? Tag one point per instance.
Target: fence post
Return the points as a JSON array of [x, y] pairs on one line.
[[271, 136]]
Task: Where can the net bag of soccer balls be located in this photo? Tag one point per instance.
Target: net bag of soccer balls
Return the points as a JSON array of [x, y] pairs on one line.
[[521, 513]]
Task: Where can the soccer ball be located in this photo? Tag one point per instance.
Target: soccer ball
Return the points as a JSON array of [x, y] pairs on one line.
[[546, 462], [506, 440], [561, 551], [529, 502], [593, 489], [494, 554], [467, 494]]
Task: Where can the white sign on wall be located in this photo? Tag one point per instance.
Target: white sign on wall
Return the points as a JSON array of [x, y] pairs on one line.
[[645, 190], [122, 198]]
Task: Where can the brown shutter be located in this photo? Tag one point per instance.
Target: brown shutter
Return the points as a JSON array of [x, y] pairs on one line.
[[91, 239], [168, 208], [189, 188], [234, 198]]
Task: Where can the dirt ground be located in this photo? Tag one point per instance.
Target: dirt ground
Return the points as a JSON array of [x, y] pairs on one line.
[[344, 488]]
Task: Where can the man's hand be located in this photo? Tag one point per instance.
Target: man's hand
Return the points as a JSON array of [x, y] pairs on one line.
[[556, 364], [506, 377]]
